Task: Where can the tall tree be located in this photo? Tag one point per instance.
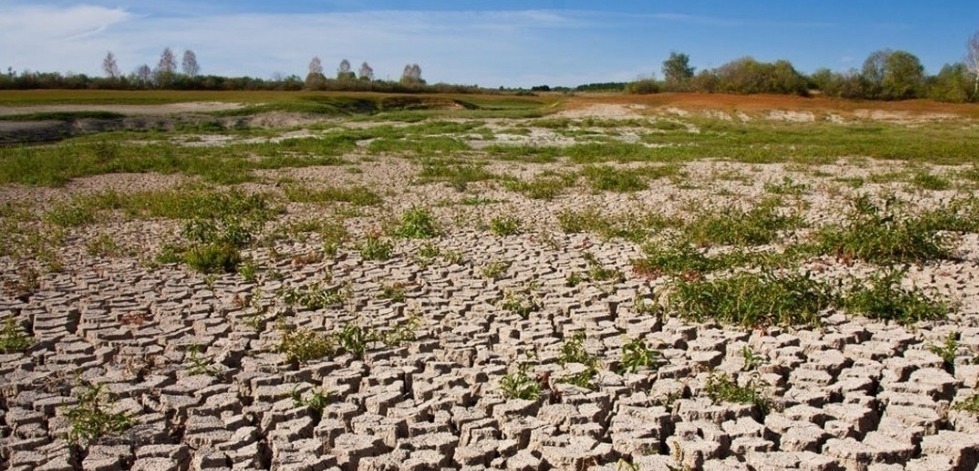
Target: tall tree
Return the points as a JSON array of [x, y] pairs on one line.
[[676, 69], [904, 76], [972, 62], [872, 72], [344, 72], [110, 67], [412, 75], [166, 68], [366, 72], [189, 65], [144, 74], [315, 79]]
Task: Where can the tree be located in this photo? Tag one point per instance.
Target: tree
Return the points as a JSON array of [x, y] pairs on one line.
[[951, 84], [366, 72], [315, 80], [189, 64], [972, 62], [110, 67], [412, 75], [344, 72], [904, 76], [144, 74], [677, 70], [872, 73], [166, 68]]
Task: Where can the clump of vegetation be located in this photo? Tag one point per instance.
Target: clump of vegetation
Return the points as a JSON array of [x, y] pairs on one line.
[[598, 272], [12, 338], [395, 292], [102, 246], [376, 247], [753, 300], [542, 187], [930, 181], [970, 405], [520, 302], [456, 174], [304, 345], [948, 350], [417, 223], [495, 269], [733, 226], [573, 351], [520, 384], [198, 364], [636, 355], [882, 297], [880, 233], [630, 226], [787, 186], [315, 296], [607, 178], [505, 225], [722, 388], [92, 418], [354, 338], [316, 401], [751, 359]]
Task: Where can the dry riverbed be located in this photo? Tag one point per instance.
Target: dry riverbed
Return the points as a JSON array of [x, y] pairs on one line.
[[483, 325]]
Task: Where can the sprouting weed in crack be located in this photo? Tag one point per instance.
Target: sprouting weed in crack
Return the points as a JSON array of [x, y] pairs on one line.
[[948, 350], [636, 355], [91, 418]]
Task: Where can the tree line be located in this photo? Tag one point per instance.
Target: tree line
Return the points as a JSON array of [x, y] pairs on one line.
[[885, 75], [166, 75]]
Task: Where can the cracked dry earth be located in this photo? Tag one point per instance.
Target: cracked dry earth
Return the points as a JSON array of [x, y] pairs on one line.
[[195, 360]]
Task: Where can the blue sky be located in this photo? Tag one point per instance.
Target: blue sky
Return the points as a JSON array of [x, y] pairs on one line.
[[489, 43]]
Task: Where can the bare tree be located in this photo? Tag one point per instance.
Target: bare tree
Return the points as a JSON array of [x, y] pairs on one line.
[[168, 62], [315, 66], [189, 64], [366, 72], [972, 61], [110, 67], [144, 74]]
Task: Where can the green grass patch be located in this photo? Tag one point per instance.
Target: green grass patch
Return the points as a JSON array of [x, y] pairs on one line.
[[882, 297], [735, 226]]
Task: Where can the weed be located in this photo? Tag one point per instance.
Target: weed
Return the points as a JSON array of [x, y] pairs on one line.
[[645, 307], [102, 246], [636, 355], [882, 297], [376, 247], [198, 364], [457, 175], [676, 259], [733, 226], [597, 272], [721, 388], [947, 350], [930, 181], [970, 405], [542, 187], [91, 419], [607, 178], [522, 303], [394, 292], [753, 300], [505, 225], [354, 339], [248, 270], [316, 402], [573, 351], [478, 201], [629, 226], [573, 279], [786, 187], [417, 223], [520, 384], [751, 359], [213, 258], [882, 234], [304, 345], [13, 339], [495, 269], [315, 297]]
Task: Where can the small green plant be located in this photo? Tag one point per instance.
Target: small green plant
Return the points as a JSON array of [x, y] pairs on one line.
[[722, 388], [316, 401], [12, 338], [248, 270], [417, 223], [304, 345], [880, 233], [947, 350], [198, 364], [636, 355], [751, 359], [213, 258], [607, 178], [520, 384], [376, 247], [930, 181], [573, 351], [505, 225], [970, 405], [542, 187], [495, 269], [647, 307], [882, 297], [91, 418], [733, 226], [522, 303], [315, 296], [753, 300], [395, 292], [787, 186], [354, 339], [597, 272], [102, 246], [573, 279]]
